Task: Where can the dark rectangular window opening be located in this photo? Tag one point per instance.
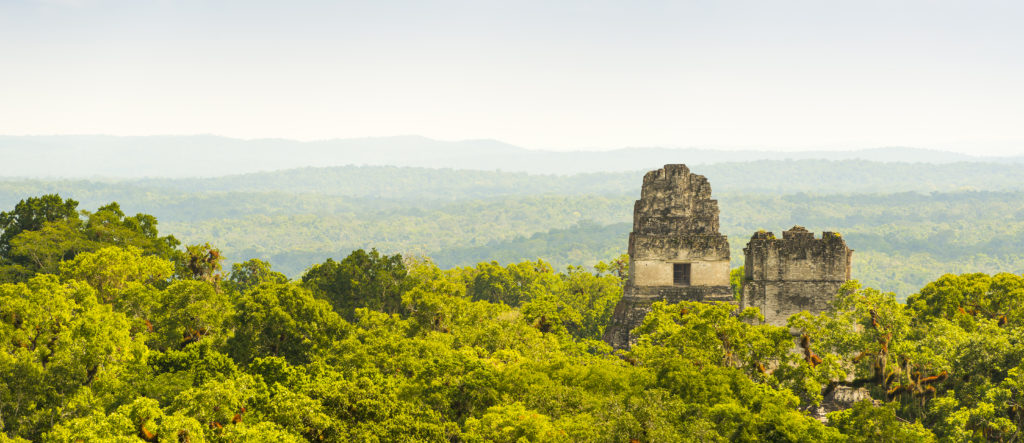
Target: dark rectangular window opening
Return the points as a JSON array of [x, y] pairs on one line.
[[681, 274]]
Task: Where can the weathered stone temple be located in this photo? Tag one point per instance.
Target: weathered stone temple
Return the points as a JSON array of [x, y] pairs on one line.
[[675, 250], [795, 273], [677, 254]]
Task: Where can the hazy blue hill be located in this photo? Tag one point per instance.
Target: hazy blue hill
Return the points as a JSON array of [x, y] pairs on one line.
[[408, 183], [211, 156], [766, 176]]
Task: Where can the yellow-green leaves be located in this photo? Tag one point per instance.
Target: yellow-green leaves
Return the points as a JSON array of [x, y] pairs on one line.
[[115, 271], [56, 340]]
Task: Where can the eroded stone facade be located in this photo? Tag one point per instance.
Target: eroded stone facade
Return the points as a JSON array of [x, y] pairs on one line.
[[675, 231], [677, 254], [795, 273]]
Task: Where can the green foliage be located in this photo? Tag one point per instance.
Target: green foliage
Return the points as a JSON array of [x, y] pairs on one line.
[[512, 423], [902, 240], [201, 262], [61, 352], [711, 334], [969, 298], [909, 223], [117, 273], [618, 267], [362, 279], [42, 232], [118, 341], [109, 225], [575, 302], [192, 311], [512, 285], [31, 214], [282, 320], [907, 230], [865, 422], [736, 278], [41, 251], [252, 273]]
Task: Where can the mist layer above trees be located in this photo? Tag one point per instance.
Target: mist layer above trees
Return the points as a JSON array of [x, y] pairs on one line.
[[210, 156], [909, 223]]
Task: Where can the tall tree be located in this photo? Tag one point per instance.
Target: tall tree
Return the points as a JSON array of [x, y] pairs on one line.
[[43, 231], [251, 273], [362, 280], [282, 320], [30, 214]]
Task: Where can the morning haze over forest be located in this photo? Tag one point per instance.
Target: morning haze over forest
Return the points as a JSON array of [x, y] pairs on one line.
[[206, 156], [911, 214], [530, 221]]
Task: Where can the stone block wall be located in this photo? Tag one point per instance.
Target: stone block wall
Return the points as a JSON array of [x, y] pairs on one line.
[[652, 257], [675, 221], [795, 273]]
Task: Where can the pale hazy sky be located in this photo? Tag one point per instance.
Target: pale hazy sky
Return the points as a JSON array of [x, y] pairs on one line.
[[540, 74]]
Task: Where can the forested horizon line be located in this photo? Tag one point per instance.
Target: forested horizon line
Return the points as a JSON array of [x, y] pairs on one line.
[[908, 223], [786, 176], [207, 156]]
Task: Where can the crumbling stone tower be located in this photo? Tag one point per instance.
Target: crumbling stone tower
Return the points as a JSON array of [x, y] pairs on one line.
[[675, 250], [795, 273]]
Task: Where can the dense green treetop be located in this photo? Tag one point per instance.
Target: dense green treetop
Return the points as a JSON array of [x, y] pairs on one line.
[[132, 339], [41, 232], [30, 215]]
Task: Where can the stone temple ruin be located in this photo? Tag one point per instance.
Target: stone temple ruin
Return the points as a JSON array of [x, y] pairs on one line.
[[797, 273], [675, 251], [677, 254]]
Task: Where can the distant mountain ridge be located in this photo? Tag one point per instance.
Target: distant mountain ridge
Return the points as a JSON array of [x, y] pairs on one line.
[[211, 156]]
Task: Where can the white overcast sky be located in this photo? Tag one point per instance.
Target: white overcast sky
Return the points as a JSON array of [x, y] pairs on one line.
[[540, 74]]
